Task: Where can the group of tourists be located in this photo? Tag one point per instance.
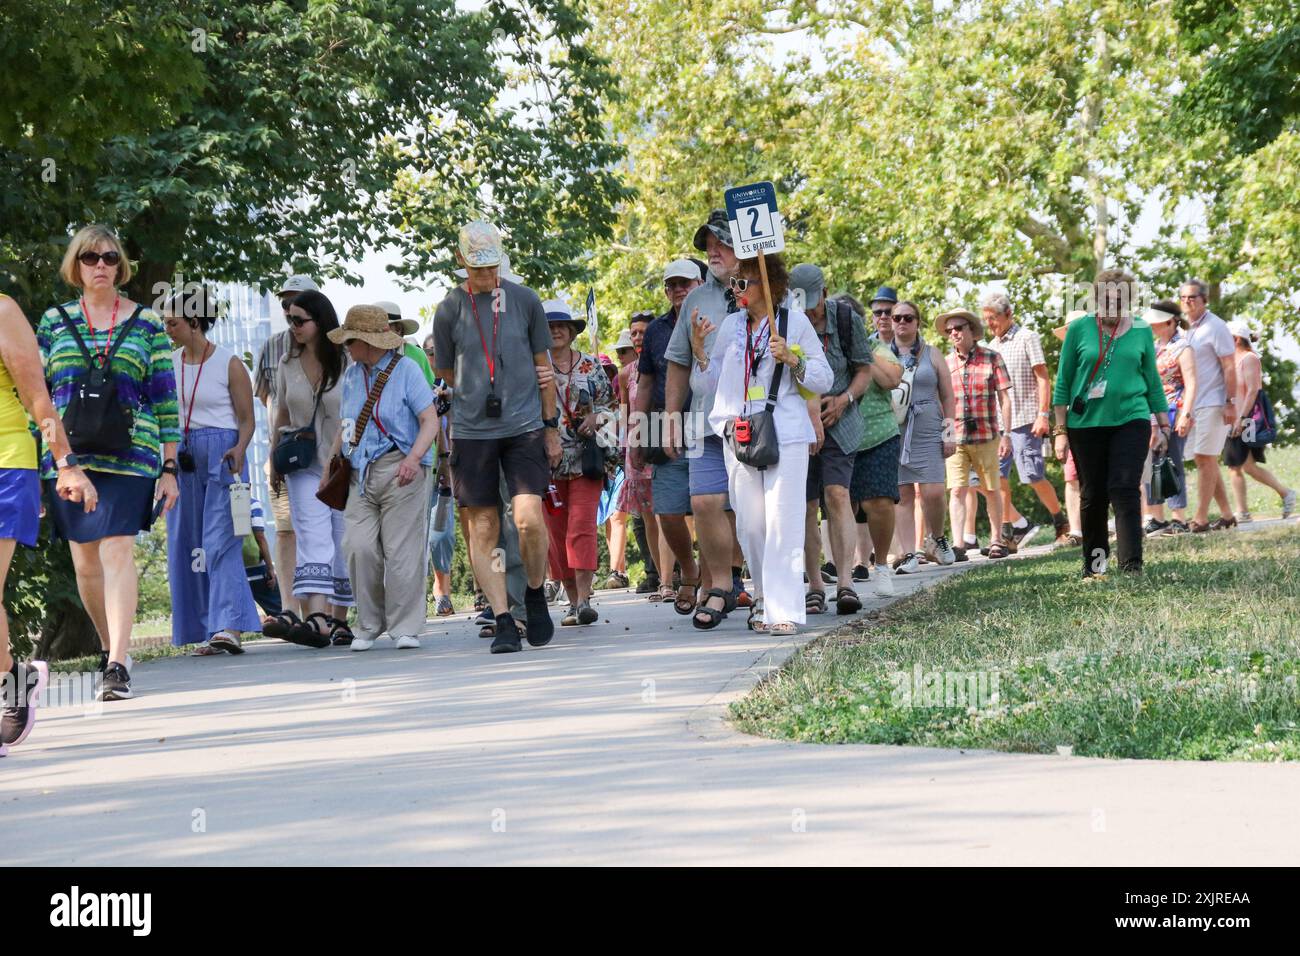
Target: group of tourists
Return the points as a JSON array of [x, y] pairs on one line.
[[756, 423]]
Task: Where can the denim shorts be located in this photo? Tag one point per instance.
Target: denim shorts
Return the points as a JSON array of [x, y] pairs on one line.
[[670, 487], [709, 469]]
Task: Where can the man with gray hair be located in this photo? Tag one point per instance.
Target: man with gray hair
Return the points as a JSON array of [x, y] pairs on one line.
[[1215, 411], [1031, 421]]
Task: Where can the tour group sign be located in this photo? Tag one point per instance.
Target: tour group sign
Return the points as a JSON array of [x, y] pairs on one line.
[[756, 227]]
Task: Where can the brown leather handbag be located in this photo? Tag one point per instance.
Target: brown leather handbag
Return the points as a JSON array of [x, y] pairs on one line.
[[334, 492]]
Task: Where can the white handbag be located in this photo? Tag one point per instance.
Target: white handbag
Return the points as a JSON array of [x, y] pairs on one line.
[[900, 396]]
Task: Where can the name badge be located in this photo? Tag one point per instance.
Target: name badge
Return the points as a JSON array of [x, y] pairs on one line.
[[1098, 390], [757, 393]]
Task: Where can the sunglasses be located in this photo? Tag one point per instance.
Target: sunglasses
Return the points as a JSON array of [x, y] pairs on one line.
[[298, 322], [882, 313], [740, 283], [110, 258], [904, 318], [642, 317], [955, 329]]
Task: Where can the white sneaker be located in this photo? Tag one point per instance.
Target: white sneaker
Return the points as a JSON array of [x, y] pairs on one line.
[[939, 550], [360, 643], [407, 641], [910, 565], [884, 582]]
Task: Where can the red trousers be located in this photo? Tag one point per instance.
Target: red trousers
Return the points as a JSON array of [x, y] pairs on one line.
[[573, 527]]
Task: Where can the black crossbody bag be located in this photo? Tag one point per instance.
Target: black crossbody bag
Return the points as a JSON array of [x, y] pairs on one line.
[[95, 420], [297, 449], [753, 438]]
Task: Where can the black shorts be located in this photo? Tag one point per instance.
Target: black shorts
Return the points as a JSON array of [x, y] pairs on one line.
[[830, 466], [477, 464], [1236, 453]]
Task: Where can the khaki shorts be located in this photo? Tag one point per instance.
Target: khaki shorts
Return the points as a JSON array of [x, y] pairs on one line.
[[982, 458], [1208, 433], [280, 509]]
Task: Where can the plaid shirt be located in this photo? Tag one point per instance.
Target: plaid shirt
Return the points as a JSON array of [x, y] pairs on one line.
[[273, 351], [1021, 351], [975, 384]]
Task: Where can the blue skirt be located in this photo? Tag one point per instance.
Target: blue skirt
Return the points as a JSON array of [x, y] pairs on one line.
[[205, 561], [125, 509], [20, 505]]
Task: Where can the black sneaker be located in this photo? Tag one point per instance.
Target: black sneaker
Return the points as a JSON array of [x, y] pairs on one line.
[[103, 661], [1020, 536], [485, 617], [540, 626], [16, 721], [860, 572], [1154, 527], [587, 614], [829, 574], [507, 639], [648, 585], [116, 684]]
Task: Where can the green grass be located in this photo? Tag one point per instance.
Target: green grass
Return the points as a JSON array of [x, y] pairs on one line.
[[1197, 659]]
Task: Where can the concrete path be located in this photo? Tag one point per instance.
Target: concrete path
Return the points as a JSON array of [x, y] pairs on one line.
[[608, 747]]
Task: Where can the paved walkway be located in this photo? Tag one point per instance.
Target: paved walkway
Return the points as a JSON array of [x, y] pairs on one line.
[[607, 747]]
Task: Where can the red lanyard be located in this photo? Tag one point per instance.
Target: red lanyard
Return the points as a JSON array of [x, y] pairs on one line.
[[189, 409], [496, 325], [374, 414], [94, 336], [751, 359]]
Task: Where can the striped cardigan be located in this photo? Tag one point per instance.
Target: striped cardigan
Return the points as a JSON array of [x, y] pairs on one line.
[[146, 384]]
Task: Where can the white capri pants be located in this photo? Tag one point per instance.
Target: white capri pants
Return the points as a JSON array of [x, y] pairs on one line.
[[320, 566], [769, 507]]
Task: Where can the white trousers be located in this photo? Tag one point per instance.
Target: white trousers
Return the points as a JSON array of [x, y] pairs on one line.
[[769, 507]]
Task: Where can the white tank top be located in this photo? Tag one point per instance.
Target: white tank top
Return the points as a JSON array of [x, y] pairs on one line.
[[211, 400]]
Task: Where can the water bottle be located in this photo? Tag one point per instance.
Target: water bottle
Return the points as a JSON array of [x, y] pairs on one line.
[[442, 509], [241, 508]]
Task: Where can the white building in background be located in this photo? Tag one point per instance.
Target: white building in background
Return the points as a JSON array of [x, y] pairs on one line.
[[244, 326]]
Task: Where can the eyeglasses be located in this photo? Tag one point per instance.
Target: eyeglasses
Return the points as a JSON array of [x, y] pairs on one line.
[[882, 313], [298, 322], [110, 258], [739, 283], [904, 318], [956, 329]]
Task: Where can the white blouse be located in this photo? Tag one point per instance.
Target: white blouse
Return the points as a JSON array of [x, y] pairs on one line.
[[725, 376]]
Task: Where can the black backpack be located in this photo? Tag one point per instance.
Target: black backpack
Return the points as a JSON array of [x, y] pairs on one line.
[[95, 420], [844, 318]]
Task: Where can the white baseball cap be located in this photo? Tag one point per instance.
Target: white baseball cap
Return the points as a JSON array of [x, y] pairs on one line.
[[408, 326], [682, 269], [298, 283]]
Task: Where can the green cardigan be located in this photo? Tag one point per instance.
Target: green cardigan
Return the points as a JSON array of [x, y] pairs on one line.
[[1133, 386]]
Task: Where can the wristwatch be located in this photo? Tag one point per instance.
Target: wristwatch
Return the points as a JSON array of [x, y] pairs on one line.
[[552, 422], [70, 460], [169, 467]]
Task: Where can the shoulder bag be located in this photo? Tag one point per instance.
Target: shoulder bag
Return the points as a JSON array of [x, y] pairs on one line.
[[753, 438], [339, 480]]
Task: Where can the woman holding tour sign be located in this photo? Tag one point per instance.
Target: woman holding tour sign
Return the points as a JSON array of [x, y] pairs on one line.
[[762, 358], [1108, 392], [211, 601]]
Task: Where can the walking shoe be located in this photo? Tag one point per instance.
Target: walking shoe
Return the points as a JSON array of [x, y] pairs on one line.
[[959, 554], [884, 581], [1176, 527], [570, 618], [25, 689], [444, 607], [649, 584], [860, 572], [1154, 527], [938, 550], [363, 643], [1020, 536], [1288, 504], [407, 642], [1244, 517], [540, 626], [507, 639], [909, 565], [829, 574], [116, 684], [485, 617], [615, 581], [587, 614]]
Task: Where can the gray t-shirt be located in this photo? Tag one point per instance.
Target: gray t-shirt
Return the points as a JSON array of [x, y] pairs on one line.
[[715, 304], [457, 345], [1210, 341]]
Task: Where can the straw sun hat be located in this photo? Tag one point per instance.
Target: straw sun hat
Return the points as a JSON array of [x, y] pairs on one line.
[[369, 324]]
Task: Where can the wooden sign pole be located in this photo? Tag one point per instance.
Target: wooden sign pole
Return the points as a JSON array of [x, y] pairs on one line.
[[767, 291]]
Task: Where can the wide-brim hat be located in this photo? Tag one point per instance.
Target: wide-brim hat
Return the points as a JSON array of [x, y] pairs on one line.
[[369, 324], [942, 318], [394, 312], [557, 311], [719, 225]]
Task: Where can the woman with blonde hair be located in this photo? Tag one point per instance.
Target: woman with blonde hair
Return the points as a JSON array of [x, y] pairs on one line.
[[108, 363]]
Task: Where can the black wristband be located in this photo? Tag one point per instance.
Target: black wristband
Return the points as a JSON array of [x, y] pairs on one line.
[[169, 468]]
